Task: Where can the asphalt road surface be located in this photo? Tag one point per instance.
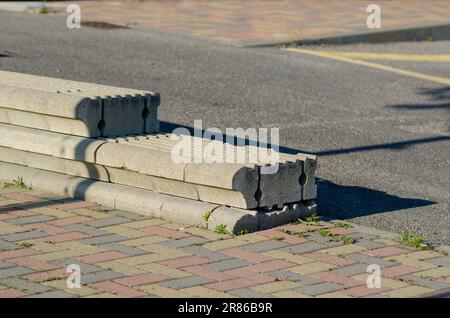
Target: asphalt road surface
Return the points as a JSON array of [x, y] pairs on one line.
[[383, 137]]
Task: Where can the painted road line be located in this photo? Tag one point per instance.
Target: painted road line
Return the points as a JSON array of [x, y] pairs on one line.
[[431, 78], [392, 57]]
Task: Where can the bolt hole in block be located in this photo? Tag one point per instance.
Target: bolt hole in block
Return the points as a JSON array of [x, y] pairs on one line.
[[303, 179]]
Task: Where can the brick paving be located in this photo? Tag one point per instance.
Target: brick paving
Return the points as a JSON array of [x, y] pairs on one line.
[[122, 254], [264, 21]]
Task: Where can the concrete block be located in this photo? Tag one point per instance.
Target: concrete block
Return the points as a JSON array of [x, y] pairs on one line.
[[288, 213], [50, 123], [150, 203], [113, 111], [54, 164], [281, 187], [49, 143]]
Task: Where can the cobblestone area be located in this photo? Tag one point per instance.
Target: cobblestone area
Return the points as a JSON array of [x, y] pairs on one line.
[[122, 254], [263, 21]]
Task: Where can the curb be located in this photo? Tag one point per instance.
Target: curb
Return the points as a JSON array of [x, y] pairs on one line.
[[414, 34], [153, 204]]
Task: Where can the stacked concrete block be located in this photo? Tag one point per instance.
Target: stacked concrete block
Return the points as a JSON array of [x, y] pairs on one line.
[[76, 108], [102, 143]]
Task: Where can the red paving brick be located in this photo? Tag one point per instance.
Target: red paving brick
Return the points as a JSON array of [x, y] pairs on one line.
[[385, 251], [186, 261], [101, 257], [33, 263], [11, 293], [247, 255], [208, 273], [398, 270], [18, 213], [342, 280], [118, 289], [164, 232], [140, 279], [328, 258], [59, 238], [42, 276], [21, 197], [18, 253], [45, 227]]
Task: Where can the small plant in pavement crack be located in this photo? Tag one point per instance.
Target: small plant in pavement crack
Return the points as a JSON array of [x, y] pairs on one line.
[[207, 215], [222, 229], [414, 241], [16, 183]]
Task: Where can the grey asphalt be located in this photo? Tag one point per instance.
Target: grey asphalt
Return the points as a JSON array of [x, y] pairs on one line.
[[383, 138]]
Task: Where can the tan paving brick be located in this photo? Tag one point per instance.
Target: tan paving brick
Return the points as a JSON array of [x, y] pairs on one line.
[[165, 232], [251, 238], [386, 241], [144, 223], [204, 292], [163, 270], [344, 249], [328, 258], [274, 287], [90, 213], [149, 258], [385, 282], [310, 268], [43, 246], [52, 256], [186, 261], [290, 294], [157, 290], [121, 268], [52, 212], [409, 291], [221, 245], [148, 240], [101, 257], [11, 228], [62, 285], [125, 231], [423, 255], [407, 260], [440, 272], [362, 291], [207, 234], [298, 259], [77, 246], [336, 294]]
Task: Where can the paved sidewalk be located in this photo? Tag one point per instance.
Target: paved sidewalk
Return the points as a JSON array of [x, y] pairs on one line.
[[264, 21], [122, 254]]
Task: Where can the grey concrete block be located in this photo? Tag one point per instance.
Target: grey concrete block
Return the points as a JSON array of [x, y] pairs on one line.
[[23, 236], [31, 219], [4, 264], [288, 213], [104, 239], [24, 285], [100, 276], [294, 277], [186, 282], [248, 293], [185, 242], [14, 271], [125, 249], [427, 283], [439, 261], [4, 245], [107, 222], [350, 270], [85, 268], [228, 264], [369, 244], [362, 258], [317, 289], [90, 230], [265, 246], [204, 252], [304, 248]]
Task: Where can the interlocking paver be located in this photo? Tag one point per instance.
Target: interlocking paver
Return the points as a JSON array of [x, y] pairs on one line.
[[317, 289], [125, 255], [141, 279], [186, 282]]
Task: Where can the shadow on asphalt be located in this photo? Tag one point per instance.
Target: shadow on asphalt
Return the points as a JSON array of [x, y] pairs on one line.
[[346, 202]]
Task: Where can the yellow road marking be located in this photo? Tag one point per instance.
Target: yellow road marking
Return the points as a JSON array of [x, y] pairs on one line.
[[436, 79], [393, 57]]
